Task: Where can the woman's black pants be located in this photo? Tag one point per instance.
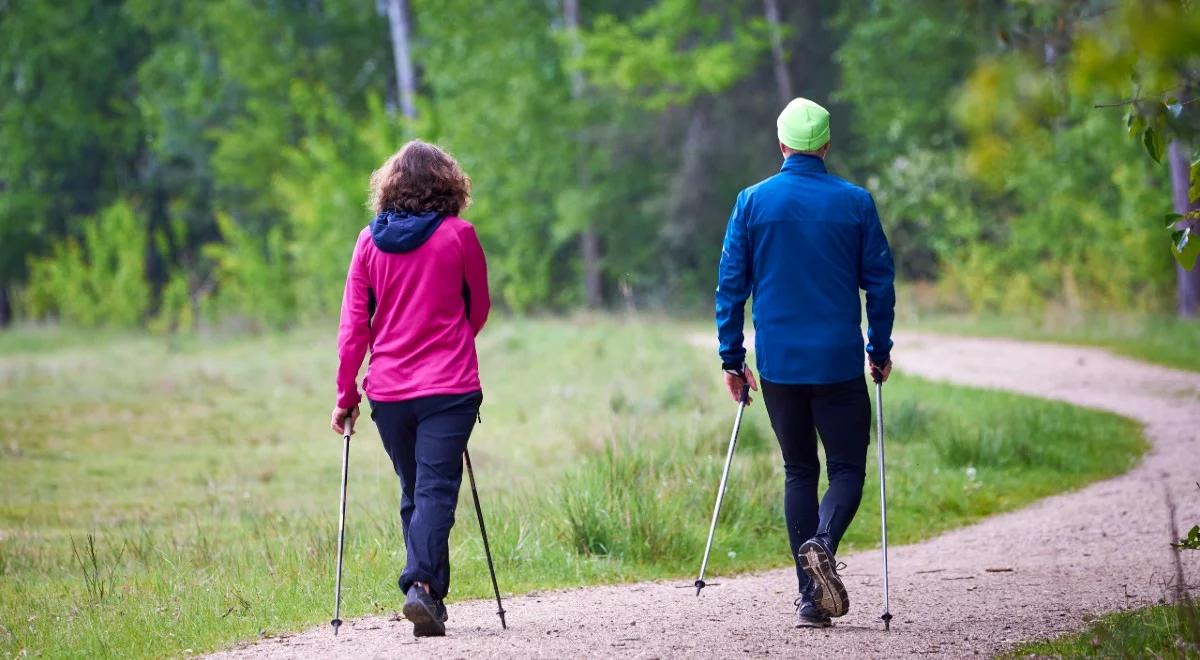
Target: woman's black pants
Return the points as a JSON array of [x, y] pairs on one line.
[[841, 414], [426, 438]]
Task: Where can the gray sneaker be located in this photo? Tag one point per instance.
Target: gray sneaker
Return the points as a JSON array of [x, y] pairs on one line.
[[422, 610], [808, 615], [828, 592]]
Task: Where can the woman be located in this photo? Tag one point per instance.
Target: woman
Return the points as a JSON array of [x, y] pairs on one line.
[[416, 295]]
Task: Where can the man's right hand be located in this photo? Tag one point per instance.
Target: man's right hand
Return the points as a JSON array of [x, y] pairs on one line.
[[734, 384], [880, 374]]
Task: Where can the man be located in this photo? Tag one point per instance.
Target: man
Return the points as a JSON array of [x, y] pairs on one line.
[[803, 243]]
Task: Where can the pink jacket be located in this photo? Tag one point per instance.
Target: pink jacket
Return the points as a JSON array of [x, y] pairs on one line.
[[416, 295]]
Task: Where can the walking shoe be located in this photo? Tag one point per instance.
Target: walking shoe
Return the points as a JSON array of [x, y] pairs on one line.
[[816, 559], [422, 610], [808, 615], [443, 616]]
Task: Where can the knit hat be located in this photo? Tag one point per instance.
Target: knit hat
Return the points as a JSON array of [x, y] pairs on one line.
[[803, 125]]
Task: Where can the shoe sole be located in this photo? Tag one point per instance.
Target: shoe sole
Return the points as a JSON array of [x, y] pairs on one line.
[[425, 623], [828, 590], [814, 623]]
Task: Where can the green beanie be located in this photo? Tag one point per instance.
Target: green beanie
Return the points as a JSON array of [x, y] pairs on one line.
[[803, 125]]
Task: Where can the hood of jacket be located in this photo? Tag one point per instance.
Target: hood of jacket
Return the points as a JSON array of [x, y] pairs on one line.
[[400, 231]]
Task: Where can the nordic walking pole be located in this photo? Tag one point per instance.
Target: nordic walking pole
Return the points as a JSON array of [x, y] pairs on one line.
[[348, 428], [487, 550], [887, 614], [712, 529]]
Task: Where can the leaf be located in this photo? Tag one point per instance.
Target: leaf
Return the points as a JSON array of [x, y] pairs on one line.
[[1154, 142], [1191, 541], [1171, 219], [1137, 123], [1186, 250], [1194, 188], [1174, 109]]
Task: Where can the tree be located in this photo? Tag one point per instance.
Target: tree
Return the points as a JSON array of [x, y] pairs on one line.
[[1139, 55], [782, 79], [589, 241], [1148, 51], [70, 134], [406, 79]]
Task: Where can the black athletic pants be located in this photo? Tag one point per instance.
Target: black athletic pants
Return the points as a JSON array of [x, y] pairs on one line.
[[841, 414], [426, 438]]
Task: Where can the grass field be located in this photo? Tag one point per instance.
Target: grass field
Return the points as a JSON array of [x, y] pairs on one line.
[[170, 496]]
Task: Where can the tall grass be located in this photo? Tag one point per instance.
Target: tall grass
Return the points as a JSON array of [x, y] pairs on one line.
[[163, 497]]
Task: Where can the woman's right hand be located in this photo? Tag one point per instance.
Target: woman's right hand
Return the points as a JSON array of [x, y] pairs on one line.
[[339, 417]]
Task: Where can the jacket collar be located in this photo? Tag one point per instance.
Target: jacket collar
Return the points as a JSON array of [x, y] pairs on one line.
[[803, 164]]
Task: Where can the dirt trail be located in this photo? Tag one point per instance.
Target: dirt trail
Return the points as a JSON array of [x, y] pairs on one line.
[[1095, 550]]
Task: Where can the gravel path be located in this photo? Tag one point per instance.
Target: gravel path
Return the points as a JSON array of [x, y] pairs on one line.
[[1062, 560]]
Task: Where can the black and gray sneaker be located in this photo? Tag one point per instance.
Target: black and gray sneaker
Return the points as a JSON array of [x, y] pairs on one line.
[[816, 559], [808, 615], [422, 610], [443, 616]]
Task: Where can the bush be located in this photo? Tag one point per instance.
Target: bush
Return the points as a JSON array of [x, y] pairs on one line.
[[99, 280]]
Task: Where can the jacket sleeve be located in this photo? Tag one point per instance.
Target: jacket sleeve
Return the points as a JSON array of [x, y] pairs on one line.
[[479, 301], [354, 330], [877, 276], [734, 279]]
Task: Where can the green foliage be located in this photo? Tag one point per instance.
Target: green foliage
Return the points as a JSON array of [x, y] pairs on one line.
[[98, 280], [508, 121], [255, 274], [1191, 541], [67, 124], [673, 51], [251, 126], [898, 102], [323, 186], [1142, 51]]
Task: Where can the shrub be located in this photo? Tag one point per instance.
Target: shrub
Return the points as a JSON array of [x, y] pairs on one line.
[[99, 280]]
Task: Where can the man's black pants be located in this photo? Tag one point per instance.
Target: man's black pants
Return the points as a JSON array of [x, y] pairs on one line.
[[426, 438], [841, 413]]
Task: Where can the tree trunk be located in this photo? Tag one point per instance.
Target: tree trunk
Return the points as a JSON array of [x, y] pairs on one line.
[[783, 81], [589, 241], [683, 203], [406, 79], [1187, 283], [5, 307]]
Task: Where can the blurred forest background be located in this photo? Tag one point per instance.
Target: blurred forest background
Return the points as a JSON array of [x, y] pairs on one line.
[[171, 164]]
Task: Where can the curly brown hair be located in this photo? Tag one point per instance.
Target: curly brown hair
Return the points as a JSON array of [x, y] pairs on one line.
[[418, 179]]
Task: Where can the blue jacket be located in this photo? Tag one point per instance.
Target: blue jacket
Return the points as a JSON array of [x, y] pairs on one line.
[[803, 242]]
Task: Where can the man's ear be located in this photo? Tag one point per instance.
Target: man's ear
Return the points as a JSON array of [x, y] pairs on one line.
[[783, 150]]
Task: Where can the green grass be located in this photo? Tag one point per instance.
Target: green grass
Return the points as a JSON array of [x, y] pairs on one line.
[[1161, 631], [163, 495], [1164, 340]]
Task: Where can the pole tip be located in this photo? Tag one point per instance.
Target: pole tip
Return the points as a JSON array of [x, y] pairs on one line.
[[336, 623], [887, 621], [503, 623], [699, 585]]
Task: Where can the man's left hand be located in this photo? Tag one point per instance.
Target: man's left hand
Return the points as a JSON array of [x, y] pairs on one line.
[[880, 374]]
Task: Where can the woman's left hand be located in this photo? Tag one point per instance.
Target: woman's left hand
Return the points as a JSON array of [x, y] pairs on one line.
[[339, 417]]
